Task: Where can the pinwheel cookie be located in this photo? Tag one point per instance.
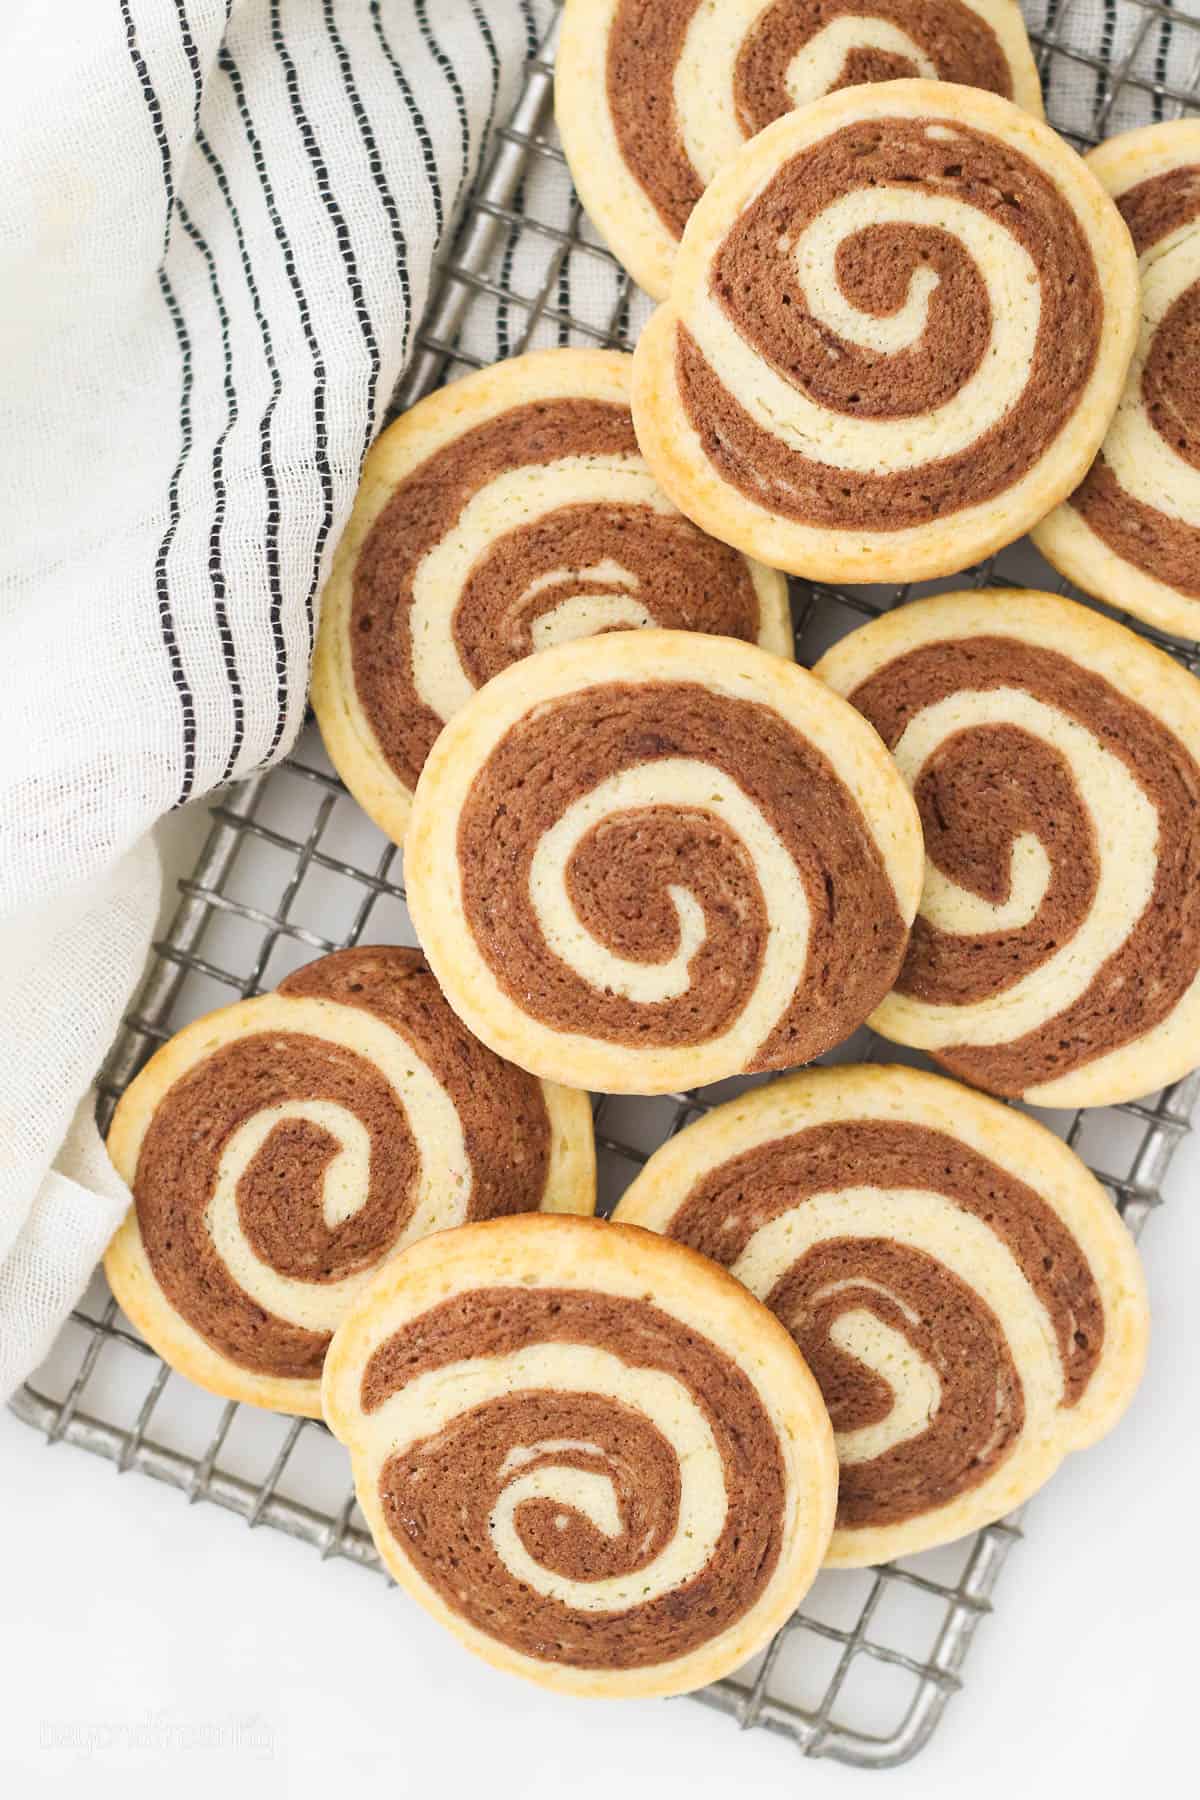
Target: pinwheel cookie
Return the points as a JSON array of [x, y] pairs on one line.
[[962, 1288], [1131, 533], [279, 1150], [654, 96], [1055, 759], [654, 859], [586, 1450], [505, 513], [898, 327]]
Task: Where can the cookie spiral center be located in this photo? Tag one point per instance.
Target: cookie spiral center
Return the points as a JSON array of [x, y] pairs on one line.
[[664, 864], [941, 1303], [578, 1475], [285, 1163], [895, 329]]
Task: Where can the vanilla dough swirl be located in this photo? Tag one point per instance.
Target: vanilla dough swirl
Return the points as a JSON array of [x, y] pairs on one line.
[[587, 1451], [959, 1284], [280, 1149], [655, 96], [502, 515], [895, 335], [1055, 761]]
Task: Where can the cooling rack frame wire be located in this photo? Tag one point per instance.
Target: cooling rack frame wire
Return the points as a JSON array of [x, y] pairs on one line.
[[1130, 68]]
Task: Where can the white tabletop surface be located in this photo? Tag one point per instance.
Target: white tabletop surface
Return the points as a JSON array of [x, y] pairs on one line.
[[149, 1648]]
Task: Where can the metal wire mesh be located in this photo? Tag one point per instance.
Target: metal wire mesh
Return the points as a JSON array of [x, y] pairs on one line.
[[291, 868]]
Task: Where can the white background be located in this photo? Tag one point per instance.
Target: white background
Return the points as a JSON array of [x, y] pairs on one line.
[[151, 1648]]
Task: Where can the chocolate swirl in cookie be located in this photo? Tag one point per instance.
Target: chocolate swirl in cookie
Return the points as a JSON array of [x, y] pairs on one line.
[[542, 1512], [656, 96], [597, 545], [666, 863], [667, 886], [767, 60], [1060, 919], [281, 1149], [914, 1240], [503, 515], [1141, 498], [947, 299], [900, 1455], [587, 1470], [893, 335]]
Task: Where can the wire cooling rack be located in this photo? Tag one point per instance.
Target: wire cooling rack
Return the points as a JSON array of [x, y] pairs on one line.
[[292, 868]]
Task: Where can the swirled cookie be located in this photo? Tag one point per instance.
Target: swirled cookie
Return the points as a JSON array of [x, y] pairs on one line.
[[898, 328], [654, 96], [586, 1450], [1055, 759], [654, 859], [1130, 534], [280, 1149], [960, 1285], [505, 513]]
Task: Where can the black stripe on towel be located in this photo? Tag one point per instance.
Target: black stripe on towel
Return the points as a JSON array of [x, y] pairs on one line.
[[455, 85], [485, 32], [216, 570], [312, 150], [418, 122], [265, 449], [1166, 31], [504, 304], [320, 451], [382, 186], [162, 585]]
